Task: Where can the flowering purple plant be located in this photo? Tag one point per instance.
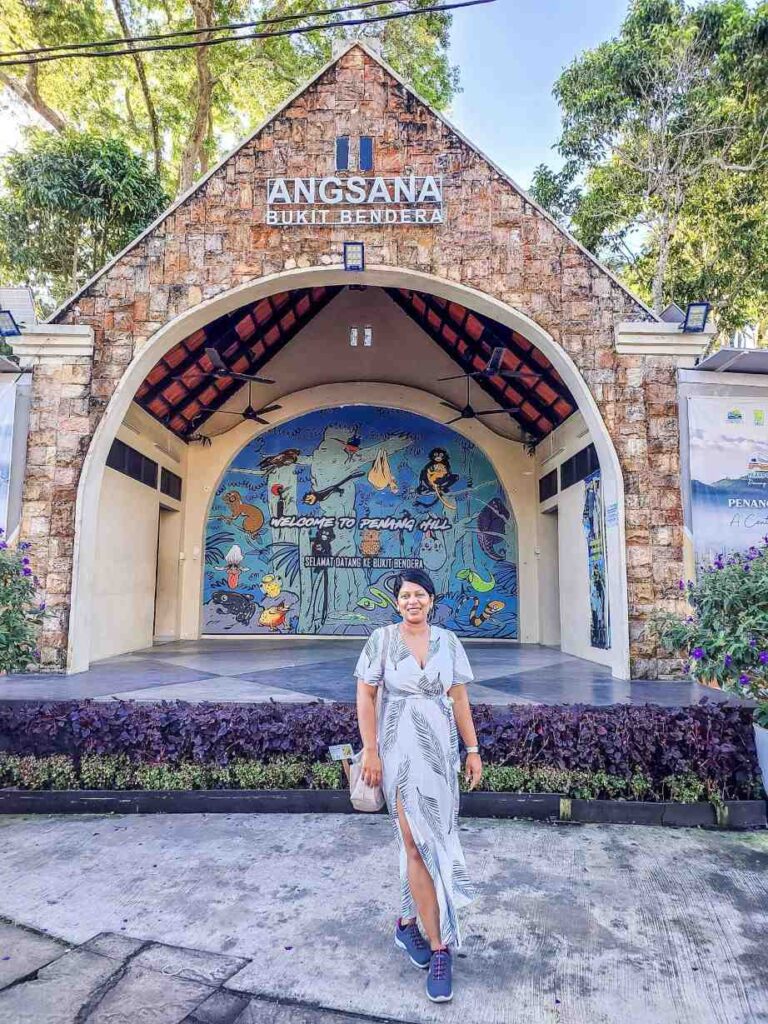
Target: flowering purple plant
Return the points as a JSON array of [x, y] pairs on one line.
[[722, 634], [21, 611]]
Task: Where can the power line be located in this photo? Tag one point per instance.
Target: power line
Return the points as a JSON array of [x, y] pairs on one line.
[[302, 29], [229, 27]]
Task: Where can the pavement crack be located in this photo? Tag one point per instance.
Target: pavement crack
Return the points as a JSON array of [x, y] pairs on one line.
[[97, 996]]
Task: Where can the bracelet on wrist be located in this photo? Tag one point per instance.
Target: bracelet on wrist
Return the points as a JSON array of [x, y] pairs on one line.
[[472, 750]]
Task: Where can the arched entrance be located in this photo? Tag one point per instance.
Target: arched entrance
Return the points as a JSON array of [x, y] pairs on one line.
[[183, 326]]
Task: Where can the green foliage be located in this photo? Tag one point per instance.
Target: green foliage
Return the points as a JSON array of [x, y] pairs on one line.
[[55, 772], [280, 773], [327, 775], [104, 771], [684, 789], [664, 131], [69, 202], [20, 613], [725, 638], [556, 191], [195, 104], [109, 772]]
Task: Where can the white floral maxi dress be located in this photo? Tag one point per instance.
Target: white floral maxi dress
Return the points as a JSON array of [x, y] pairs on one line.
[[419, 750]]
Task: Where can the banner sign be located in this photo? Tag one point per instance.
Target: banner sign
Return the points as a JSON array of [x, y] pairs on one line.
[[330, 201], [729, 473], [7, 413], [594, 530], [314, 519]]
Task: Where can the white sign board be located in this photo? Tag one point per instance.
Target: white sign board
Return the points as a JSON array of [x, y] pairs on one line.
[[729, 473], [334, 201]]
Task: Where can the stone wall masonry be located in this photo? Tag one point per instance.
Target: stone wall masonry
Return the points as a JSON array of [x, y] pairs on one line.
[[493, 239]]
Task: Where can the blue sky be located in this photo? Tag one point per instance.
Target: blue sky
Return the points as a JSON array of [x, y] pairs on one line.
[[510, 54]]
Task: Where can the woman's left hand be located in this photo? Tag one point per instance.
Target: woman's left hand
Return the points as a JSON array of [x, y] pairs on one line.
[[473, 770]]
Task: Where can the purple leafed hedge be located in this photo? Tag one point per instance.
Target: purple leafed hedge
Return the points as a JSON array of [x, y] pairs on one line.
[[714, 740]]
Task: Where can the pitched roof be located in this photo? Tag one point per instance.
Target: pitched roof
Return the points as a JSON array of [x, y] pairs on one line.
[[272, 117]]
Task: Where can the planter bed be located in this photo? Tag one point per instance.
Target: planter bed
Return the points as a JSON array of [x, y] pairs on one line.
[[735, 814]]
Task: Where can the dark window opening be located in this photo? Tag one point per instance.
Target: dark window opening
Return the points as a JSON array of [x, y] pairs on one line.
[[366, 153], [127, 460], [579, 466], [170, 484], [342, 153], [548, 486]]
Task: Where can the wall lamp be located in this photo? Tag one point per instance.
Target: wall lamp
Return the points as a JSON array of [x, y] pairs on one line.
[[696, 314], [354, 256], [8, 326]]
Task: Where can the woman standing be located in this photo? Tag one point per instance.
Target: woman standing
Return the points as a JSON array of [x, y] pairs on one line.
[[413, 752]]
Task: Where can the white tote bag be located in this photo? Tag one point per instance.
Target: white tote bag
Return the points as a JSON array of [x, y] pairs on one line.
[[363, 796]]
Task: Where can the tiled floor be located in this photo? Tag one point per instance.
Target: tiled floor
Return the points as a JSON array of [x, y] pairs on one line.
[[246, 671]]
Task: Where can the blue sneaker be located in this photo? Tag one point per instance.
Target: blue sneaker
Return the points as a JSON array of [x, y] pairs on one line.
[[413, 942], [439, 983]]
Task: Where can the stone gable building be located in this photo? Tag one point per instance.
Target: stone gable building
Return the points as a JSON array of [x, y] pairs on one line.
[[563, 524]]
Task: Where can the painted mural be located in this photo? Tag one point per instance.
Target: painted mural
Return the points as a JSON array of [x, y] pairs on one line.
[[593, 521], [313, 520]]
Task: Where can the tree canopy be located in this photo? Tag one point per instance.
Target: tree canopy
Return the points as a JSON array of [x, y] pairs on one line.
[[665, 140], [70, 201], [184, 109]]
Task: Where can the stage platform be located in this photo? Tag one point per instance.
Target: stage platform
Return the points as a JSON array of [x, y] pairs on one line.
[[298, 670]]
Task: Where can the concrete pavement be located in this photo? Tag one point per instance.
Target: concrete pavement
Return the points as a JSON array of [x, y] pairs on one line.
[[290, 918]]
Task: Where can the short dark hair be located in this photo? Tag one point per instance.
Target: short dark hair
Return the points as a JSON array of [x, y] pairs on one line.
[[417, 576]]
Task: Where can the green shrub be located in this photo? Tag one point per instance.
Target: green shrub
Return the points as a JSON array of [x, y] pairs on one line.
[[161, 776], [219, 776], [9, 770], [279, 773], [105, 771], [56, 772], [119, 773], [686, 788], [640, 786], [327, 775]]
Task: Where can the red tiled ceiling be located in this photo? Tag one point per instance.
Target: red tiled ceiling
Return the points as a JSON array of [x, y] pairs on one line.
[[245, 329], [249, 337], [262, 312], [471, 337]]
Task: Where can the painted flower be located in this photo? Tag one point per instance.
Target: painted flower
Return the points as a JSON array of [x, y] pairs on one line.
[[25, 561], [698, 653], [27, 571], [744, 679], [25, 545], [728, 661], [3, 545], [752, 642], [41, 606], [681, 584], [763, 656]]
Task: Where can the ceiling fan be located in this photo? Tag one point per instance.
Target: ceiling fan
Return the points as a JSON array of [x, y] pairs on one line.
[[220, 369], [490, 370], [248, 413], [493, 369]]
